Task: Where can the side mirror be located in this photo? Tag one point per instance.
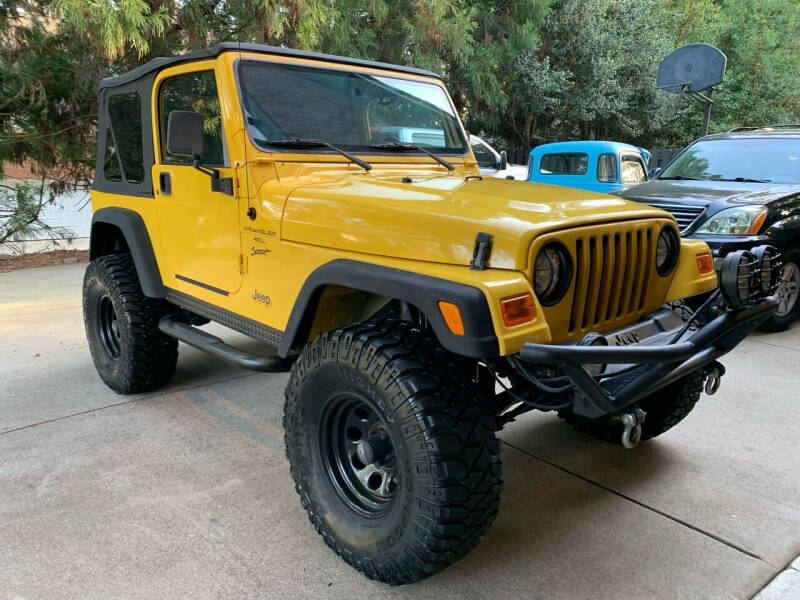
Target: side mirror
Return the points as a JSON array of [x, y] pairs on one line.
[[185, 134], [654, 172], [503, 160]]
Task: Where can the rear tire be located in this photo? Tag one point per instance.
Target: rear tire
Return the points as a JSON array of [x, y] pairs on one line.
[[788, 294], [130, 353], [665, 408], [433, 486]]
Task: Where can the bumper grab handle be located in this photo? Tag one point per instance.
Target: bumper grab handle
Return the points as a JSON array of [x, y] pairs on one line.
[[577, 355]]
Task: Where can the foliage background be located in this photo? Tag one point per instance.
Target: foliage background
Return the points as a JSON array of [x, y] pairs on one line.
[[522, 72]]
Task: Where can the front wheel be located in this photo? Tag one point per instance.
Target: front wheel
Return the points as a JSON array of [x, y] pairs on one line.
[[788, 294], [392, 450]]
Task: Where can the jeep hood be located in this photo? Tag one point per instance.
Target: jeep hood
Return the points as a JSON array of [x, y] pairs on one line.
[[436, 219]]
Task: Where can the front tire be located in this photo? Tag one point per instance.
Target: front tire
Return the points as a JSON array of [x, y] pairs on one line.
[[386, 392], [130, 353]]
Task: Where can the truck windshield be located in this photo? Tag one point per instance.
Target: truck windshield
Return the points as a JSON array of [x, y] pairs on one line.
[[354, 111], [745, 160]]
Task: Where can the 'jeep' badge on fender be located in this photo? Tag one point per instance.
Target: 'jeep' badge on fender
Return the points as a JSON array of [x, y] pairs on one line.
[[263, 298]]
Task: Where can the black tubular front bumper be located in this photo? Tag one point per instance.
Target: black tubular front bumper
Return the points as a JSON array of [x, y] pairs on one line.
[[660, 365]]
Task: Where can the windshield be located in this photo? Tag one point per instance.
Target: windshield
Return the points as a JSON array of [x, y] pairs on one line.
[[348, 109], [772, 160]]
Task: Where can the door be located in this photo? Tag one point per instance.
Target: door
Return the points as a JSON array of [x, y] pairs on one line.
[[199, 227]]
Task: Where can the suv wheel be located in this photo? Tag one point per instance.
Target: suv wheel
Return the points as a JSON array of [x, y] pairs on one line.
[[788, 294], [130, 353], [665, 408], [392, 450]]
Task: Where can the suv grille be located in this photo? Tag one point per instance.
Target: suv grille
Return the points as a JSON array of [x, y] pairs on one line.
[[611, 275], [685, 214]]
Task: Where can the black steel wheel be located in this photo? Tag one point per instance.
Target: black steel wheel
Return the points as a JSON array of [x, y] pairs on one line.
[[108, 326], [359, 455], [130, 353], [392, 450]]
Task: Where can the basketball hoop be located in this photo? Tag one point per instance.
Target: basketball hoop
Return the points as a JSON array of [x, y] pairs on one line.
[[691, 70]]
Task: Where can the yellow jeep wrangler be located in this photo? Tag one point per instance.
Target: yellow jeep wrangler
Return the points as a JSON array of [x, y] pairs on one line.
[[331, 208]]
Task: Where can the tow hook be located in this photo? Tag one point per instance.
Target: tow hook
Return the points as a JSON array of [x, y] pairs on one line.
[[713, 381], [632, 424]]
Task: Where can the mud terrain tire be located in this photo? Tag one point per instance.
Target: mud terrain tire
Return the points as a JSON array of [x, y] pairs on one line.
[[130, 353], [439, 486]]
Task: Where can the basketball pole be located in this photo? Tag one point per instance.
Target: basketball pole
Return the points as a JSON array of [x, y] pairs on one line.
[[707, 114]]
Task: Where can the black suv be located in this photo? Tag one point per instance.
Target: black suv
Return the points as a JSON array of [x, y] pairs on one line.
[[738, 190]]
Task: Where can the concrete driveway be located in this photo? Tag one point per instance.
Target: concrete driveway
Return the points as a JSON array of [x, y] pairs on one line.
[[186, 493]]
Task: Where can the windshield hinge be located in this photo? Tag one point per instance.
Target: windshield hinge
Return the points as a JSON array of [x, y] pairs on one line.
[[481, 251]]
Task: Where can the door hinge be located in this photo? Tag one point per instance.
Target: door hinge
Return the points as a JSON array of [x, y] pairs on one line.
[[242, 264]]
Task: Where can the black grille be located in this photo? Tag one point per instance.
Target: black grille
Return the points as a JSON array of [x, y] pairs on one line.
[[685, 214]]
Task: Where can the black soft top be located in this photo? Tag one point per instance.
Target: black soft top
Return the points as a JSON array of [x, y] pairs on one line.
[[157, 64]]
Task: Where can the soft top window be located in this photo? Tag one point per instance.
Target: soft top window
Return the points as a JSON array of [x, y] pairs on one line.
[[564, 163], [196, 92], [125, 142]]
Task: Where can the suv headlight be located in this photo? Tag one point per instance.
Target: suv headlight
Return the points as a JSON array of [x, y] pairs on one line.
[[552, 271], [743, 220]]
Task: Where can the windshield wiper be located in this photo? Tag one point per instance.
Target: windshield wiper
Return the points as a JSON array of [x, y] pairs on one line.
[[318, 144], [400, 146], [747, 180], [680, 178]]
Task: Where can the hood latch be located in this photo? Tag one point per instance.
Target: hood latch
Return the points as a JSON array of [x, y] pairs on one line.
[[481, 251]]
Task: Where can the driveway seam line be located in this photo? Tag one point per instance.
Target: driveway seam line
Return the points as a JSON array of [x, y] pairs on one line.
[[643, 505], [781, 346], [132, 400]]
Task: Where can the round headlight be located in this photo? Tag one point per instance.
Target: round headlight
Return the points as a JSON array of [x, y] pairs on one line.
[[738, 278], [768, 267], [551, 273], [667, 247]]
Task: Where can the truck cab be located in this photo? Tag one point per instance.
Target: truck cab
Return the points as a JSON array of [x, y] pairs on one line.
[[588, 165]]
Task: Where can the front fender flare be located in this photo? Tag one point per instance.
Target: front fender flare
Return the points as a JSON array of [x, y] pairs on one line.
[[422, 291]]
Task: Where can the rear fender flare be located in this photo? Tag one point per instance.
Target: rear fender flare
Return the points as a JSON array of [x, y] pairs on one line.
[[134, 231]]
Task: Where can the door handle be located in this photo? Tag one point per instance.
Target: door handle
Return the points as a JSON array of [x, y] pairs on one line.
[[165, 183]]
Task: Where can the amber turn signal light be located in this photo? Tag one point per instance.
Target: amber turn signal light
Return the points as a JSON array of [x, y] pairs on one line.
[[705, 264], [452, 316], [517, 310]]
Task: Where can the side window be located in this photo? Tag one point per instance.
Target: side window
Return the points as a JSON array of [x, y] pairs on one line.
[[607, 168], [124, 148], [564, 163], [111, 169], [633, 170], [196, 92], [485, 157]]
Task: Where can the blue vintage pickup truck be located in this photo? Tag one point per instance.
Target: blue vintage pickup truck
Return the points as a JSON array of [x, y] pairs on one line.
[[589, 165]]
